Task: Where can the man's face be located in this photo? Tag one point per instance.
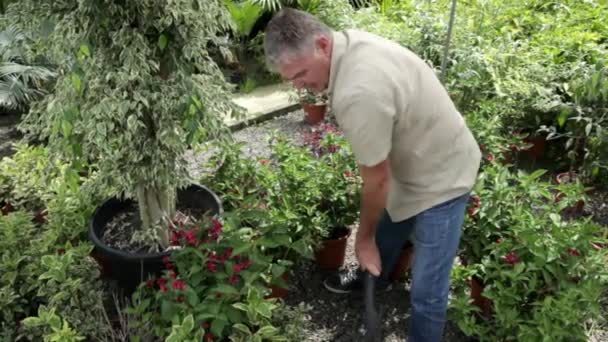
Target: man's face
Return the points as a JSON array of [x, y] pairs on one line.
[[310, 70]]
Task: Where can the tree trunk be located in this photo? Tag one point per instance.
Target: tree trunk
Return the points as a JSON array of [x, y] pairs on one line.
[[156, 206]]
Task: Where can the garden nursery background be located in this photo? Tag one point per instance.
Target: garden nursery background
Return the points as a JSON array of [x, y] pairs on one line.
[[134, 209]]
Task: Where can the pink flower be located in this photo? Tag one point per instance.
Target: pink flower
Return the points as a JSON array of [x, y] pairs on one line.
[[490, 157], [162, 284], [574, 252], [179, 285], [191, 237], [511, 258]]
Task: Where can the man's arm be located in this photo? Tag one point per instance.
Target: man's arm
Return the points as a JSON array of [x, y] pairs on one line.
[[373, 197], [373, 202]]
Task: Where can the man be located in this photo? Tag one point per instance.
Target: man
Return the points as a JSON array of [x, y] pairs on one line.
[[417, 157]]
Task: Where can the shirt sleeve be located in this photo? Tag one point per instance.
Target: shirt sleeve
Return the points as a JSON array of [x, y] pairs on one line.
[[367, 115]]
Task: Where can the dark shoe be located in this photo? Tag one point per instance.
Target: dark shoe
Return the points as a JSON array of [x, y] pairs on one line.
[[350, 282]]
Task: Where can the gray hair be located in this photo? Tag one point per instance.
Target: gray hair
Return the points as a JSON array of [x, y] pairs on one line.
[[289, 33]]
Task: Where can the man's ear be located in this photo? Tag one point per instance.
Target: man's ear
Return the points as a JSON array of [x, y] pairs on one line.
[[323, 44]]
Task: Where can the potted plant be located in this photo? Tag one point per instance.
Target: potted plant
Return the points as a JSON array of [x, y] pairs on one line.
[[314, 105], [219, 277], [340, 186], [133, 94], [533, 272]]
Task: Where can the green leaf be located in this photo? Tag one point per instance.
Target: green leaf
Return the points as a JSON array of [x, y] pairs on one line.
[[267, 331], [217, 326], [84, 50], [76, 82], [562, 118], [188, 324], [162, 42], [192, 298], [167, 310], [242, 327], [226, 289]]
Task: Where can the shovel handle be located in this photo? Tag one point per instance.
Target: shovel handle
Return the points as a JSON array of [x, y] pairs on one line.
[[372, 321]]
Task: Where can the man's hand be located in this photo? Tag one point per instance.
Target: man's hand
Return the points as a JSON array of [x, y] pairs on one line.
[[368, 256], [373, 201]]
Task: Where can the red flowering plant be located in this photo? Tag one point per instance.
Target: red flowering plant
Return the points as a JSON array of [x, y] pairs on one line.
[[216, 277], [539, 271]]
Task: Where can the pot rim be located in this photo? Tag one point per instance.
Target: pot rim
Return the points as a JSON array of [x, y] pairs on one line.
[[138, 256]]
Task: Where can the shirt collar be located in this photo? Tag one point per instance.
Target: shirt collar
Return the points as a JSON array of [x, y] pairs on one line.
[[340, 42]]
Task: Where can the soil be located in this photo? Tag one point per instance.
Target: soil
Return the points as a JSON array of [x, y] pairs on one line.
[[340, 318], [8, 133], [123, 226]]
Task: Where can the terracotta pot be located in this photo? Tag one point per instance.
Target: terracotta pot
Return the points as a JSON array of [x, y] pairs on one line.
[[331, 254], [314, 113], [6, 208], [478, 299], [403, 264], [537, 150], [277, 291]]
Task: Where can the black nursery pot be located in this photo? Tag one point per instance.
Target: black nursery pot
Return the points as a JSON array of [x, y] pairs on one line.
[[130, 269]]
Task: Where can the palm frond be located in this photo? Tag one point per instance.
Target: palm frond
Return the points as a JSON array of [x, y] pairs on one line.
[[11, 36], [272, 5], [27, 73]]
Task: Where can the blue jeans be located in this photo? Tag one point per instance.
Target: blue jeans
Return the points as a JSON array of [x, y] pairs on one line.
[[436, 236]]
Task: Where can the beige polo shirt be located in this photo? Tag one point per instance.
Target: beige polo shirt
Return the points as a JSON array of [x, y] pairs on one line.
[[390, 104]]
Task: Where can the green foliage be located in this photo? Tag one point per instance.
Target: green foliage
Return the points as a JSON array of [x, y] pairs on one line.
[[540, 272], [39, 269], [137, 88], [225, 295], [22, 78], [36, 181], [60, 330]]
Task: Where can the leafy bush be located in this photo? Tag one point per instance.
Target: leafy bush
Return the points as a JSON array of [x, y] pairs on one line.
[[39, 270], [540, 272], [224, 298]]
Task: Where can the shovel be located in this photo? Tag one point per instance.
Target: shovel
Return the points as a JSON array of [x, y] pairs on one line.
[[373, 331]]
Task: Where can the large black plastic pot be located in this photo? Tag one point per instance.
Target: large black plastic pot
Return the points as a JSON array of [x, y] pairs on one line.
[[130, 269]]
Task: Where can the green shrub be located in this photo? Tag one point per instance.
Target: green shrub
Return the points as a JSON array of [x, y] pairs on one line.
[[540, 271]]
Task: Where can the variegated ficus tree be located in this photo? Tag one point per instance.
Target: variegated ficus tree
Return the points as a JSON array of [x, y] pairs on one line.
[[137, 87]]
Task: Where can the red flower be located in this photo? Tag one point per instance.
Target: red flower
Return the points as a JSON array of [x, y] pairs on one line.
[[234, 280], [166, 260], [511, 258], [209, 337], [174, 238], [211, 266], [490, 157], [348, 173], [229, 252], [173, 275], [264, 161], [162, 284], [150, 283], [179, 285], [191, 237], [574, 252], [241, 266]]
